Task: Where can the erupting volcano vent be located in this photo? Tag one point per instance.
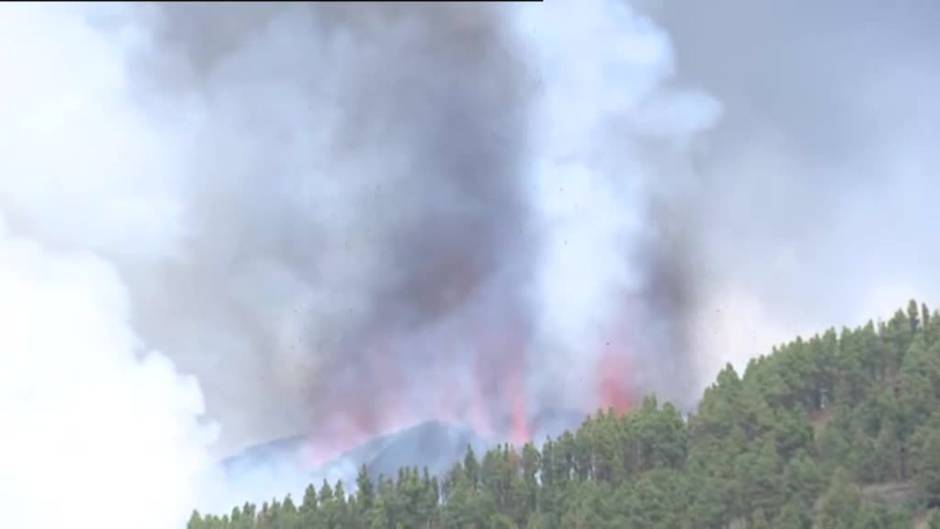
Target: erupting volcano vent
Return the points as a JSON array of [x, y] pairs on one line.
[[345, 221], [402, 245]]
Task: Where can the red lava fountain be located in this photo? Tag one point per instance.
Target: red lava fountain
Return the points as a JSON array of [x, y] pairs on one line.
[[614, 389], [492, 396], [520, 432]]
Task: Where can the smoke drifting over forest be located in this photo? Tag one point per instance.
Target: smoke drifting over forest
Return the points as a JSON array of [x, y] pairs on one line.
[[342, 220]]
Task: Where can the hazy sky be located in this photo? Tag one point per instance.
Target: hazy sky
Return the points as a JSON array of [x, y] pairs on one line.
[[815, 192], [223, 224]]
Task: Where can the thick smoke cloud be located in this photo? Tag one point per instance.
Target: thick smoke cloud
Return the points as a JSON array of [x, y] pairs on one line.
[[355, 209], [371, 214], [602, 277], [83, 412], [98, 427], [341, 220]]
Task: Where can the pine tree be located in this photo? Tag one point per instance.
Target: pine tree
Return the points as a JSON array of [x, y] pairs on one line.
[[471, 468], [195, 521], [927, 451], [365, 494], [748, 455], [840, 504], [791, 516]]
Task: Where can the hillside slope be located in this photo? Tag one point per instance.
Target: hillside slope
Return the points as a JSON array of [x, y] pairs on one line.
[[837, 431]]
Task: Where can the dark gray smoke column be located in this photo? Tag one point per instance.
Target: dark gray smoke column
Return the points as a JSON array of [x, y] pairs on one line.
[[357, 225], [403, 212]]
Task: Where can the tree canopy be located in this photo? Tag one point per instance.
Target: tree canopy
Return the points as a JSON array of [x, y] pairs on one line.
[[797, 440]]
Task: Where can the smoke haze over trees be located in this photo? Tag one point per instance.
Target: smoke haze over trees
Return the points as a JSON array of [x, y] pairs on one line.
[[839, 430]]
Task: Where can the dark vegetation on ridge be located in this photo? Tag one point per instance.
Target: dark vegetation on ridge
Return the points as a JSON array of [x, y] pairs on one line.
[[840, 431]]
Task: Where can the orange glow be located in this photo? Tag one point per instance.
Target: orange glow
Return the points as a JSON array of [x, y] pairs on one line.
[[614, 388]]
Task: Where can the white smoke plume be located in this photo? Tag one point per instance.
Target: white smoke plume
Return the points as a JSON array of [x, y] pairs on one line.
[[248, 190], [604, 72], [97, 428], [94, 431]]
